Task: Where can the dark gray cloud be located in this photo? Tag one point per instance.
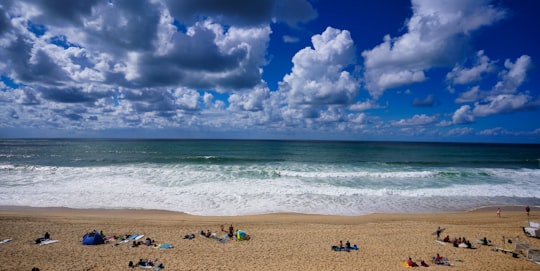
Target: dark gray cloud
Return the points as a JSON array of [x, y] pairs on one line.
[[73, 95], [32, 65], [294, 11], [5, 23], [246, 12], [124, 26], [243, 12], [60, 11]]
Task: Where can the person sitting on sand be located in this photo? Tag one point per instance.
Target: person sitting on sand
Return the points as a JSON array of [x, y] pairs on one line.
[[447, 239], [411, 263], [231, 231], [47, 235], [424, 264], [440, 260], [348, 245], [341, 244], [208, 234]]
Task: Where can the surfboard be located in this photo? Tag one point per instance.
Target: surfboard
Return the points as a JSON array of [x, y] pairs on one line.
[[48, 241], [129, 239], [440, 242], [481, 242], [6, 241]]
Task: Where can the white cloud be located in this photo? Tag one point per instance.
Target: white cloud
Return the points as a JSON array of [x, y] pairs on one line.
[[290, 39], [436, 35], [502, 104], [461, 75], [463, 115], [366, 105], [514, 76], [472, 95], [492, 132], [318, 76], [416, 120], [249, 101], [461, 131]]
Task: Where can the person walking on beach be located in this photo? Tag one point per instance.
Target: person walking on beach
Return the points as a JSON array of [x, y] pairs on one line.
[[499, 212], [528, 210], [438, 232]]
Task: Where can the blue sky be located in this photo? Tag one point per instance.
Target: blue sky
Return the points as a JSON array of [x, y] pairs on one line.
[[425, 70]]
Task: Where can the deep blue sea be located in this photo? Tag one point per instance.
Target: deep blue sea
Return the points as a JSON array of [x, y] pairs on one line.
[[220, 177]]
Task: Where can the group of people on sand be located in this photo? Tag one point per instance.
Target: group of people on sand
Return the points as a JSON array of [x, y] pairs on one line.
[[229, 234], [45, 237], [437, 260], [147, 242], [146, 263], [459, 242], [347, 247], [412, 263]]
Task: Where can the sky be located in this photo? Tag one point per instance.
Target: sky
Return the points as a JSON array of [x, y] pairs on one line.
[[420, 70]]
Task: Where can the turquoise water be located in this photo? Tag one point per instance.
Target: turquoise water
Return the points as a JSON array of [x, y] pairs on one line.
[[213, 177]]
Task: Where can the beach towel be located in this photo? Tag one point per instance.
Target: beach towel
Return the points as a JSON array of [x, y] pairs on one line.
[[405, 264], [337, 248], [164, 246], [443, 261], [222, 240]]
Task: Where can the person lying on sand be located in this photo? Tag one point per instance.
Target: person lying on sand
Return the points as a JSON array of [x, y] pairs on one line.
[[411, 263]]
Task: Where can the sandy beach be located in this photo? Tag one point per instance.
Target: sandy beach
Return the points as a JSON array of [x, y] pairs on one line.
[[278, 241]]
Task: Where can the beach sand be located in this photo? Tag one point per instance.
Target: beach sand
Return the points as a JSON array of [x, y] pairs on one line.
[[278, 241]]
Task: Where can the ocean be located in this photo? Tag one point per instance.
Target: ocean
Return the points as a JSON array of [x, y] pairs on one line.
[[235, 177]]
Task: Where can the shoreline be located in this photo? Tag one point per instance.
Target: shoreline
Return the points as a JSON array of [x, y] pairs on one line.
[[285, 241], [138, 210]]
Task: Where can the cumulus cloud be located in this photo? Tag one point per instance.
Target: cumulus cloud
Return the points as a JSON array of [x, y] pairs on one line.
[[318, 77], [502, 98], [244, 12], [461, 75], [436, 36], [461, 131], [471, 95], [136, 63], [513, 76], [502, 104], [416, 120], [463, 115]]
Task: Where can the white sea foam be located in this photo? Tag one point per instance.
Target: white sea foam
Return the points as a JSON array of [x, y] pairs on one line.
[[234, 190]]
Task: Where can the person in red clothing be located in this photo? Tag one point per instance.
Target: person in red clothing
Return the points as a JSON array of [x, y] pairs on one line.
[[411, 263]]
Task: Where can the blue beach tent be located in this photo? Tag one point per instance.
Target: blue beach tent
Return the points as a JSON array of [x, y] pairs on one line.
[[92, 238]]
